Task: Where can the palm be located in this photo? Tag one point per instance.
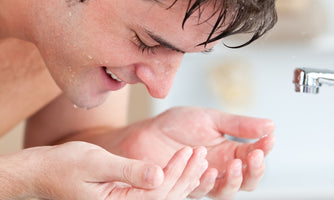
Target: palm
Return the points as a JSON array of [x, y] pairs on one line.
[[186, 126], [194, 127], [158, 138]]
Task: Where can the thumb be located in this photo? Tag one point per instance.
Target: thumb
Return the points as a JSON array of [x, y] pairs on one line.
[[241, 126], [106, 167]]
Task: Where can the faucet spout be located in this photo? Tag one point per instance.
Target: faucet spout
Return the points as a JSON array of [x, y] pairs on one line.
[[308, 80]]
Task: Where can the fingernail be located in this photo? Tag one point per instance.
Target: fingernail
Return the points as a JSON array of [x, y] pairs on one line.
[[197, 184], [257, 160], [187, 152], [270, 142], [203, 152], [212, 179], [236, 170], [205, 165], [268, 128], [152, 176]]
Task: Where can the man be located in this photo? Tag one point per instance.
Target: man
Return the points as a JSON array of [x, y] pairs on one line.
[[94, 48]]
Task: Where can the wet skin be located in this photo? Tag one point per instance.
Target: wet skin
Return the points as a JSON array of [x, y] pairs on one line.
[[61, 62]]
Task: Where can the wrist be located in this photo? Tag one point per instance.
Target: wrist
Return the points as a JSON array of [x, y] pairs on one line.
[[128, 141], [108, 138], [19, 175]]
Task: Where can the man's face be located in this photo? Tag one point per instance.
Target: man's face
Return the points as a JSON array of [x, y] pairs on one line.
[[83, 42]]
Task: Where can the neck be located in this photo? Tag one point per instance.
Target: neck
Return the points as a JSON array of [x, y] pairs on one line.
[[14, 19]]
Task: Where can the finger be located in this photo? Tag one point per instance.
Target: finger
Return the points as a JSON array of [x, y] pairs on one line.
[[173, 172], [241, 126], [227, 186], [191, 175], [265, 144], [254, 170], [207, 181], [106, 167], [175, 167]]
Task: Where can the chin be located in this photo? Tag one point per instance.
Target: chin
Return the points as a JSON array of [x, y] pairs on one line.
[[88, 101]]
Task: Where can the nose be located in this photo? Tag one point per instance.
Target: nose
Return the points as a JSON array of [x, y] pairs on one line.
[[158, 73]]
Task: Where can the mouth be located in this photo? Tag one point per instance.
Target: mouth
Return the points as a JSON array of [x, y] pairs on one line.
[[113, 76], [112, 82]]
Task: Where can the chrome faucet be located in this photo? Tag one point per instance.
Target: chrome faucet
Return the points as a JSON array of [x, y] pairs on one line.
[[309, 80]]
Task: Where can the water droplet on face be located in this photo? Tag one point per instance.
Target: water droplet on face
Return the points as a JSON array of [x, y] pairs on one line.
[[90, 57], [156, 62], [76, 107], [70, 14]]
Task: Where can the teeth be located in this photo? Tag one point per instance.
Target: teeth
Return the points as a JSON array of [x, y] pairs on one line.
[[113, 76]]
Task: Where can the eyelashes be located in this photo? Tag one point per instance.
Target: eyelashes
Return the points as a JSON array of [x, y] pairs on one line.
[[143, 47]]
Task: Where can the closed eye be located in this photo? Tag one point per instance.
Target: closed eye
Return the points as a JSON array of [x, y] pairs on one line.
[[144, 47]]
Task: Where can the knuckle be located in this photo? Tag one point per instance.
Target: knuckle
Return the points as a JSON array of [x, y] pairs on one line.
[[89, 154], [127, 172]]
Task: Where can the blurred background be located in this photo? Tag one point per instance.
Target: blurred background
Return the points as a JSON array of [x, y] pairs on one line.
[[257, 81]]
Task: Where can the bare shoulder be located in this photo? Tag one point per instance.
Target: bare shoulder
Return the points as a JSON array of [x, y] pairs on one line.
[[14, 51], [26, 85]]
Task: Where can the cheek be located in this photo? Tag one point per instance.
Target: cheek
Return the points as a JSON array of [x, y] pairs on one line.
[[89, 37], [106, 36]]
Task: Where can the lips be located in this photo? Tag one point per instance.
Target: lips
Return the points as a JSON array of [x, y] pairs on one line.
[[111, 81], [113, 76]]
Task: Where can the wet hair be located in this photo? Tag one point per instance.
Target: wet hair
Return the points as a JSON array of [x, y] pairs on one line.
[[254, 17]]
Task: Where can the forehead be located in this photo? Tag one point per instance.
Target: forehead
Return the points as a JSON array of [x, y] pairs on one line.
[[159, 17]]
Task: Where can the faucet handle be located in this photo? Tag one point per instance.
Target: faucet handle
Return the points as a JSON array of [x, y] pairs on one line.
[[305, 83], [309, 80]]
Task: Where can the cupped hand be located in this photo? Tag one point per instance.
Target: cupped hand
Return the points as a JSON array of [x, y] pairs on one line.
[[233, 166], [78, 170]]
